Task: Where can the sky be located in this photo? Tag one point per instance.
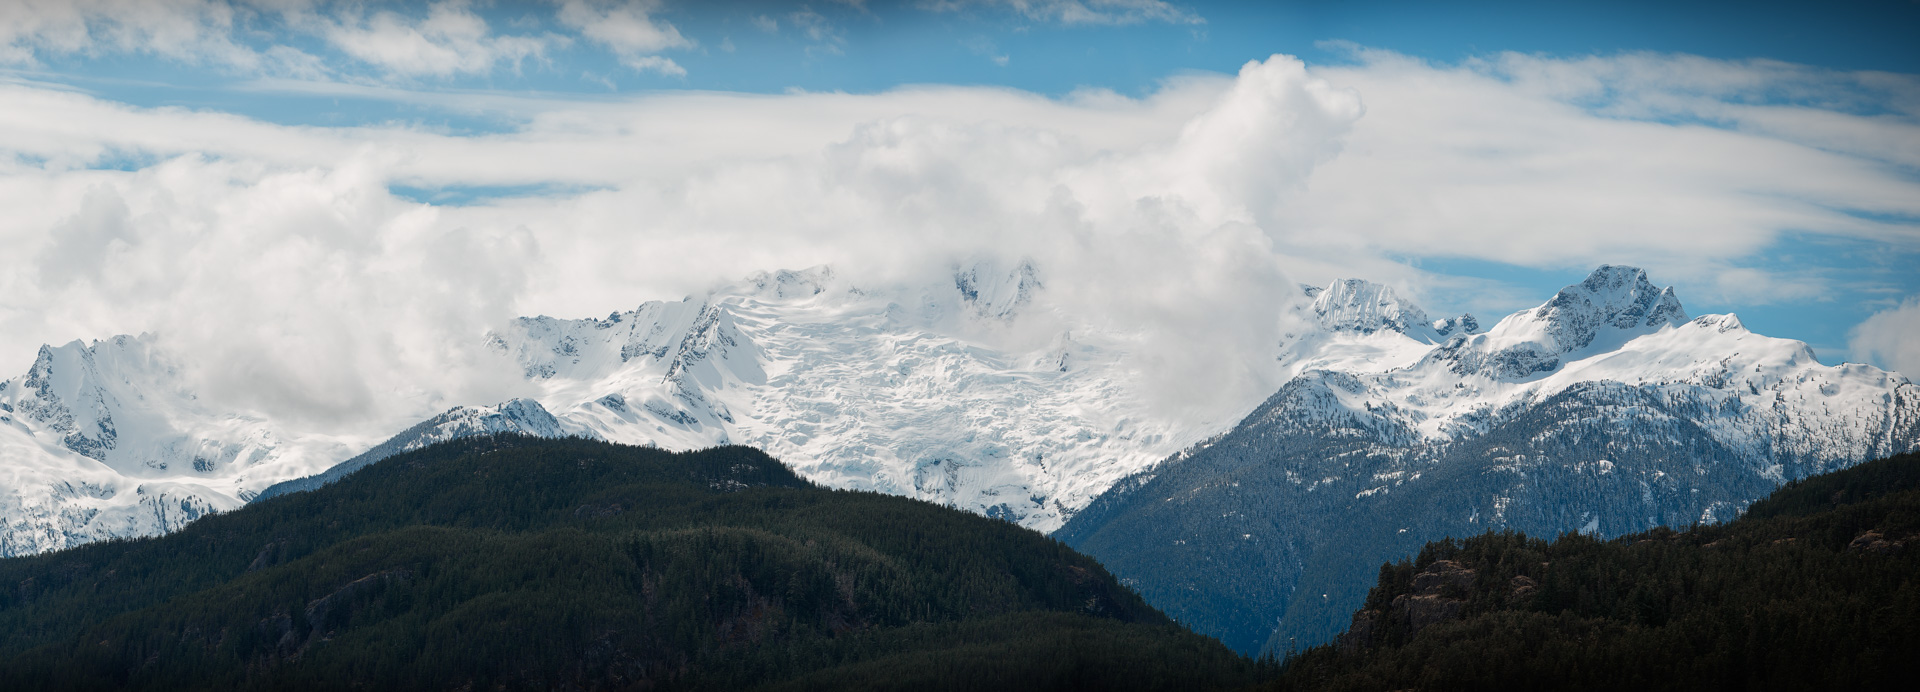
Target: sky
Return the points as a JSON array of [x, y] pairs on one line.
[[315, 192]]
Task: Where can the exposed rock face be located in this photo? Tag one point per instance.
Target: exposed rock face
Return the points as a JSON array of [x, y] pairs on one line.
[[1522, 587], [1873, 542], [1363, 307], [1438, 594]]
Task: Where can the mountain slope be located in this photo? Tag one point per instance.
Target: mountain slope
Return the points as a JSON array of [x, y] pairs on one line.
[[926, 392], [1605, 410], [105, 440], [1812, 589], [520, 416], [513, 562], [956, 391]]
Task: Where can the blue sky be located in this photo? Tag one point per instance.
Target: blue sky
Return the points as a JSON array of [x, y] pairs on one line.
[[770, 47], [1817, 90]]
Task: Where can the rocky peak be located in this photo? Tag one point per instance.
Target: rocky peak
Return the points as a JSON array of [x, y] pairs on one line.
[[995, 292], [1612, 305], [1612, 297], [1355, 305], [787, 283], [1456, 326]]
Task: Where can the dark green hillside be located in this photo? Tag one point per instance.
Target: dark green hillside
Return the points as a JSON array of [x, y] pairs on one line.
[[1816, 587], [519, 563]]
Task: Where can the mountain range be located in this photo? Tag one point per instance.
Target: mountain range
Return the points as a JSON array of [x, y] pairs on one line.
[[1607, 409], [970, 390]]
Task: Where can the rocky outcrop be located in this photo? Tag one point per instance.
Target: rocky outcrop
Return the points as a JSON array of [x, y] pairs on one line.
[[1873, 542], [1437, 594]]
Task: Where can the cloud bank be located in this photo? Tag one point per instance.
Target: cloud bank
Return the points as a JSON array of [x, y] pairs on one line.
[[1891, 338], [1181, 219]]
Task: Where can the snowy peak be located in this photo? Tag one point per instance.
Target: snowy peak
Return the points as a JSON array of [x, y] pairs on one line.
[[524, 416], [994, 291], [1770, 400], [1611, 299], [786, 283], [1363, 307], [1721, 323], [62, 394], [1613, 306], [1462, 325]]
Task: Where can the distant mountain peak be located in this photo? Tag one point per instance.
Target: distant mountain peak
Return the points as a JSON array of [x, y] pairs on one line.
[[1722, 323], [1613, 296], [1358, 306], [788, 283], [995, 291], [1613, 305]]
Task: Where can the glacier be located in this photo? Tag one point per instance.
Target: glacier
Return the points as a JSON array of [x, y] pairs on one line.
[[942, 390]]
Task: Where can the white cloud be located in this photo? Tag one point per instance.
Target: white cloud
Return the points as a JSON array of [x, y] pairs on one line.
[[399, 40], [1080, 11], [450, 40], [817, 28], [195, 31], [1890, 338], [1491, 160], [1181, 218], [629, 30]]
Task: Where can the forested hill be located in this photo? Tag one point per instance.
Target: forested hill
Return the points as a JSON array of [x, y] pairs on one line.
[[1816, 587], [507, 562]]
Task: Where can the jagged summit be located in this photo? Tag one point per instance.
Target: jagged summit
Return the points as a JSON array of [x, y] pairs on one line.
[[994, 291], [1605, 410], [1616, 297], [1365, 307], [1614, 300], [907, 388], [788, 283], [1362, 307], [1612, 306]]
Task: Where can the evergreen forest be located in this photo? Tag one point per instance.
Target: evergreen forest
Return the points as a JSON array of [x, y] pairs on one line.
[[516, 563], [508, 563], [1815, 587]]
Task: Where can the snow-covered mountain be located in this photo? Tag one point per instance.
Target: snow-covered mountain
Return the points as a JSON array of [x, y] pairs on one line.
[[950, 391], [524, 416], [971, 390], [1357, 306], [1605, 410], [904, 392], [102, 440]]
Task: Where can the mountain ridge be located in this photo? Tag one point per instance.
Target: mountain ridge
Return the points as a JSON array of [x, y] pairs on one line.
[[1603, 410], [951, 391], [513, 562]]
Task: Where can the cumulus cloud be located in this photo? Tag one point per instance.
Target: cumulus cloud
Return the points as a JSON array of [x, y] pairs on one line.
[[1890, 338], [1176, 222]]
